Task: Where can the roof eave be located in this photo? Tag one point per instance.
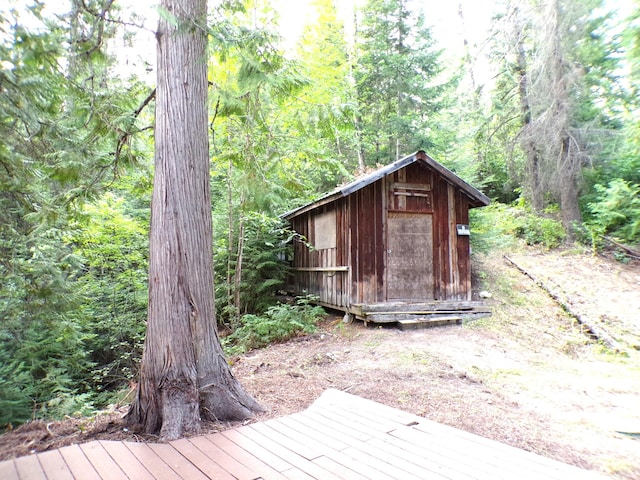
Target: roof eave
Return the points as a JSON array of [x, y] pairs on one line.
[[476, 198]]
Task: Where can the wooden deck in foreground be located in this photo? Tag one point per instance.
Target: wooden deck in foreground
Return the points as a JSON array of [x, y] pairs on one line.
[[340, 436]]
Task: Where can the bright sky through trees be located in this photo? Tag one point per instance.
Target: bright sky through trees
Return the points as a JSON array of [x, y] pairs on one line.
[[444, 18]]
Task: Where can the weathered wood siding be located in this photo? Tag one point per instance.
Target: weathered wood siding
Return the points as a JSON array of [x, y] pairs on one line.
[[409, 220], [463, 248], [366, 208], [323, 272], [452, 276]]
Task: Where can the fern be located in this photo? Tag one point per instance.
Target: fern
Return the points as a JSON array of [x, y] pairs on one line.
[[279, 323], [616, 211]]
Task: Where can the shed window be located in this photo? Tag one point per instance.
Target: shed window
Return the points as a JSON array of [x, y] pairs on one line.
[[325, 230]]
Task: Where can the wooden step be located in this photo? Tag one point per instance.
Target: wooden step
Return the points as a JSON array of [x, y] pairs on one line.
[[437, 306], [428, 322], [389, 317]]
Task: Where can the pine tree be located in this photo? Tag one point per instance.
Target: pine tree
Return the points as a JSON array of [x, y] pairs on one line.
[[557, 82], [398, 88], [327, 104]]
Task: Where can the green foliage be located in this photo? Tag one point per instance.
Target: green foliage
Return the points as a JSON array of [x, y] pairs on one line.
[[43, 342], [486, 236], [263, 270], [73, 259], [16, 393], [65, 122], [325, 110], [496, 226], [539, 230], [558, 102], [279, 323], [114, 247], [615, 212], [396, 72], [44, 366]]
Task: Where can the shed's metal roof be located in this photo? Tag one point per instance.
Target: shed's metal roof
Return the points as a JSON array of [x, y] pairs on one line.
[[476, 198]]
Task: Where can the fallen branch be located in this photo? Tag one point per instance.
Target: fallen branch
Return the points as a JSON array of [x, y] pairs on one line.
[[597, 332], [628, 250]]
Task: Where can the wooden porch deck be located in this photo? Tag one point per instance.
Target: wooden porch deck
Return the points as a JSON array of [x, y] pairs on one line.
[[340, 436]]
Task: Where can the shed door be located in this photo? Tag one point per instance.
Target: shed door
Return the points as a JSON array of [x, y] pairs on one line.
[[409, 256]]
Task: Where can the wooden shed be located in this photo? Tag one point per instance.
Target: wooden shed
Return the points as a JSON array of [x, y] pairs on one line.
[[392, 245]]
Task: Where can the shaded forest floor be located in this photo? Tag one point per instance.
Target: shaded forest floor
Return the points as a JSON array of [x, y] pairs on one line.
[[528, 376]]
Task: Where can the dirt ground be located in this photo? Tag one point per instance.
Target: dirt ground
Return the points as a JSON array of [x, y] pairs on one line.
[[527, 376]]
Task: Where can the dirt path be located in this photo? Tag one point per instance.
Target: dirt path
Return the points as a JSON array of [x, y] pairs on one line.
[[527, 376]]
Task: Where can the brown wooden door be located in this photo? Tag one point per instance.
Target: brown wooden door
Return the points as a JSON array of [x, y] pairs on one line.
[[409, 256]]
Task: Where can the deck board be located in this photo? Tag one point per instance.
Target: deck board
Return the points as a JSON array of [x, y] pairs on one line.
[[315, 433], [78, 463], [29, 468], [339, 437], [262, 453], [245, 457], [8, 470], [201, 460], [54, 466], [176, 462], [293, 457], [102, 461], [152, 462], [130, 465], [226, 461]]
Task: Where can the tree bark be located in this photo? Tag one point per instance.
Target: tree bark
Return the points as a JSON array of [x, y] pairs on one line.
[[184, 376], [568, 170], [533, 180]]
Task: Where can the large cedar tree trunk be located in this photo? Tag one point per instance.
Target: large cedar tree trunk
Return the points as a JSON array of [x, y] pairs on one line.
[[184, 376]]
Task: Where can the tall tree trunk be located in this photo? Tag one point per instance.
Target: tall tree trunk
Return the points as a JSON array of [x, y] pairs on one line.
[[468, 60], [237, 277], [230, 243], [529, 141], [184, 375], [569, 157], [357, 116], [569, 188]]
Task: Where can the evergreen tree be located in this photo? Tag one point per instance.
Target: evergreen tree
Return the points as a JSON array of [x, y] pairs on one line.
[[397, 79], [63, 131], [326, 107], [183, 376], [557, 82]]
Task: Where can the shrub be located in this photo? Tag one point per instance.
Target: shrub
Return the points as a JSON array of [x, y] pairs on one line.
[[278, 323], [616, 212], [44, 338], [261, 270], [113, 245], [497, 225], [537, 230]]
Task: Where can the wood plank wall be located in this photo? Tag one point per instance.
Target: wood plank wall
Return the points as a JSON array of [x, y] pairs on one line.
[[449, 206], [464, 248], [366, 207], [330, 282], [452, 272]]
